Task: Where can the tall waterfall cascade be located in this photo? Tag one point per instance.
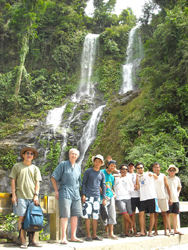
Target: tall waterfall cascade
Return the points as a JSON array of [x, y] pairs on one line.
[[86, 94], [135, 54]]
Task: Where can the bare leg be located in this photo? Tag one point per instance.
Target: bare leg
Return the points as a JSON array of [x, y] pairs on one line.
[[134, 222], [155, 224], [64, 222], [74, 221], [142, 222], [106, 229], [127, 221], [168, 223], [152, 221], [94, 225], [111, 229], [165, 222], [175, 223], [87, 223], [22, 232]]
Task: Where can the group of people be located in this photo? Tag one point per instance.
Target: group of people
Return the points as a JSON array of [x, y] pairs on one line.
[[101, 192]]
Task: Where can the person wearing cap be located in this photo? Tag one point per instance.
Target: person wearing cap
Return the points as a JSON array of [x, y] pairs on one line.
[[68, 175], [92, 181], [175, 189], [25, 178], [161, 185], [110, 198], [123, 186]]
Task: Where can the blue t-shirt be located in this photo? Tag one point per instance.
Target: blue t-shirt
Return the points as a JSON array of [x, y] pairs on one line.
[[69, 179], [109, 179], [91, 183]]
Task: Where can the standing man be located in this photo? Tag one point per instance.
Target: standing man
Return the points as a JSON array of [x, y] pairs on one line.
[[175, 189], [123, 186], [68, 174], [147, 197], [135, 194], [160, 184], [110, 197], [25, 178], [92, 181]]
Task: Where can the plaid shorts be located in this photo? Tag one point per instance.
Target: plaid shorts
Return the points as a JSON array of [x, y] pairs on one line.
[[91, 208]]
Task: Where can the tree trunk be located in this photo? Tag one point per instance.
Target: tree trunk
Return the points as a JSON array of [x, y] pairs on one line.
[[23, 54]]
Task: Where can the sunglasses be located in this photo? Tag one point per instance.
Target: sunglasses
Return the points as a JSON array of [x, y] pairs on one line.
[[124, 169], [173, 170], [139, 168], [29, 153]]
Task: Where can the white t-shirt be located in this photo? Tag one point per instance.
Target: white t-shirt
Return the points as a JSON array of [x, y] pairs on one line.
[[160, 187], [174, 183], [147, 187], [122, 188], [134, 193]]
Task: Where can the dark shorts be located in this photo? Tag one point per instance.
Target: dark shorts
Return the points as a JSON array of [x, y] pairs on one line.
[[135, 203], [174, 208], [148, 206]]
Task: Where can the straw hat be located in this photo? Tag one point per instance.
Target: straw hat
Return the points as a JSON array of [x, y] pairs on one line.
[[23, 150], [98, 157], [173, 166]]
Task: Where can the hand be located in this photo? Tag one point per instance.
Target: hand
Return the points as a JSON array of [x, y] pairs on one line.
[[170, 202], [115, 195], [14, 199], [104, 202], [36, 200], [83, 198], [57, 195]]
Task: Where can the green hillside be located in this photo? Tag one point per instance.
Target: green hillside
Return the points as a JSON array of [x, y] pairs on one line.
[[41, 45]]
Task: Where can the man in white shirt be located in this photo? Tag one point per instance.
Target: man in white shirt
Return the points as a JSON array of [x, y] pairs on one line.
[[123, 186], [135, 194], [161, 185], [145, 181], [175, 188]]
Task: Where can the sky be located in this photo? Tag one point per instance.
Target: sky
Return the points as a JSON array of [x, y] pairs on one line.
[[135, 5]]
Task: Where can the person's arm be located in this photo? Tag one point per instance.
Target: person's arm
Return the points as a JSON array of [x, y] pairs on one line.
[[36, 198], [179, 190], [168, 190], [154, 175], [54, 183], [103, 186], [137, 183], [84, 181], [13, 188]]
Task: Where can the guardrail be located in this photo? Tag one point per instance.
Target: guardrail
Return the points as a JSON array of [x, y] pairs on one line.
[[50, 205]]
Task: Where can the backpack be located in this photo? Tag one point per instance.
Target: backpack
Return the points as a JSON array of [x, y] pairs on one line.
[[34, 218]]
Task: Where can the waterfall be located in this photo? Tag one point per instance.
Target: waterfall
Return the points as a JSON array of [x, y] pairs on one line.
[[89, 132], [87, 63], [134, 55], [54, 117], [61, 124]]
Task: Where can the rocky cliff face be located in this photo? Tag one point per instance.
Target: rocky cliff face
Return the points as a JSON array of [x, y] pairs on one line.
[[44, 139]]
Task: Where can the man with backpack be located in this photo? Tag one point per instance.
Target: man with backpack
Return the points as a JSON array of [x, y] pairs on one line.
[[25, 178]]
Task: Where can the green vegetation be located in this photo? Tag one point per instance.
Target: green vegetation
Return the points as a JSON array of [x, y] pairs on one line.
[[52, 157], [7, 158]]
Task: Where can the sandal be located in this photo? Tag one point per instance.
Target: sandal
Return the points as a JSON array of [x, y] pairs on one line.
[[24, 246], [34, 244], [97, 238], [128, 235], [88, 239], [150, 235], [140, 235], [114, 237], [105, 235]]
